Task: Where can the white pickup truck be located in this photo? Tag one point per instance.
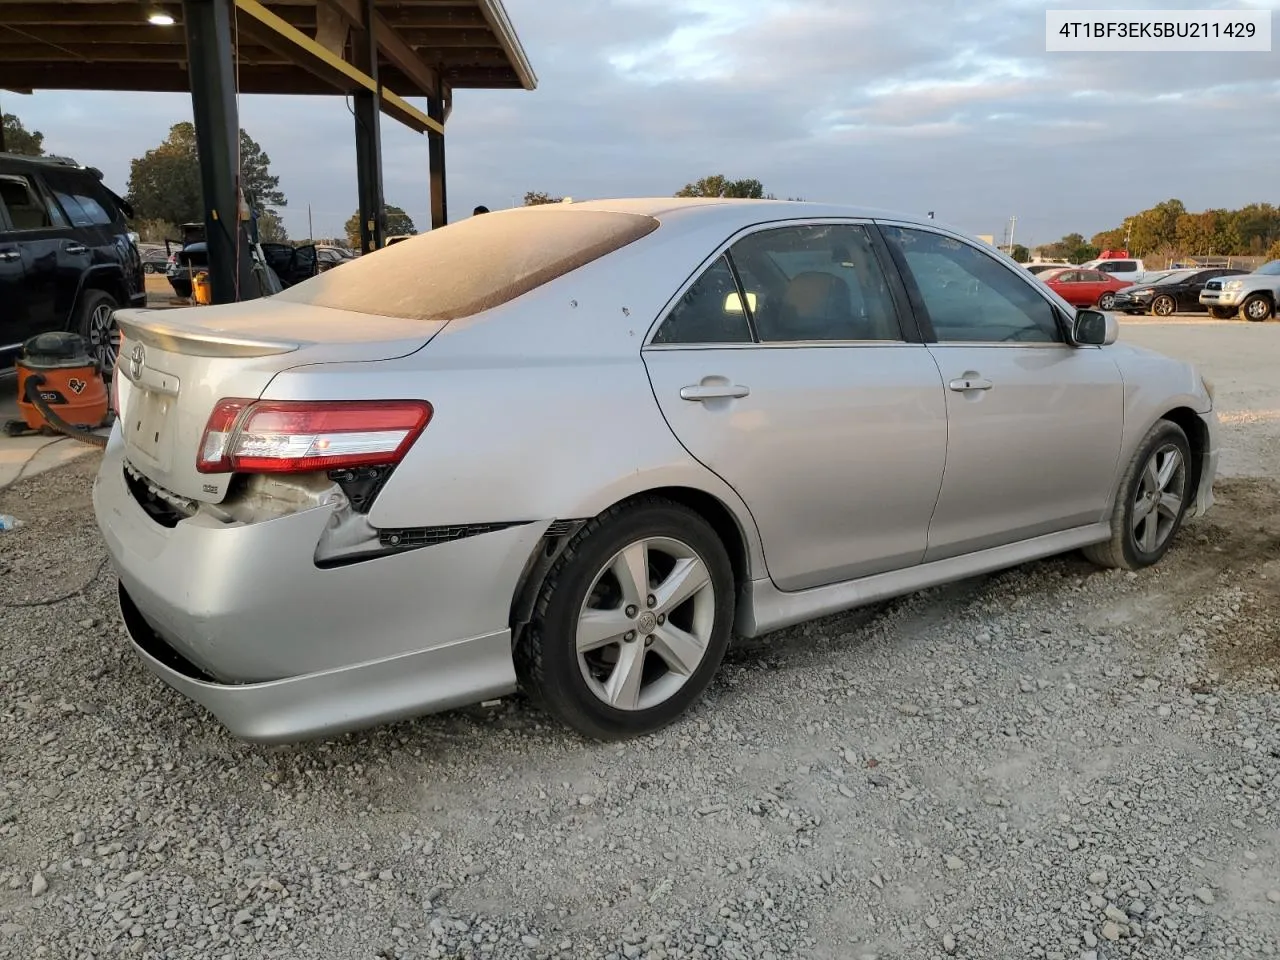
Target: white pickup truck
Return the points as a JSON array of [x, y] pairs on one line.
[[1130, 269], [1253, 295]]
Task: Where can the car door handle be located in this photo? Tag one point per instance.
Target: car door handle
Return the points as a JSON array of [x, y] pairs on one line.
[[9, 255], [970, 383], [713, 391], [77, 248]]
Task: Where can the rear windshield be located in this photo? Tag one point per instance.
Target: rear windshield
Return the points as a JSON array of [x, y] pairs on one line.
[[473, 265]]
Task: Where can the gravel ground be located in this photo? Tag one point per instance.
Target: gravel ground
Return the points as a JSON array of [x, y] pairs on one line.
[[1051, 762]]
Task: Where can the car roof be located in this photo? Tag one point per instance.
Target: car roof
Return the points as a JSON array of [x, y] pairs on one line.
[[735, 212]]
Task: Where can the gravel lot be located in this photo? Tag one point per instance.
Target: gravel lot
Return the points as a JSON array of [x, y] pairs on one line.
[[1051, 762]]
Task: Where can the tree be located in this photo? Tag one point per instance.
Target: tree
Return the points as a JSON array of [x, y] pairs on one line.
[[536, 199], [271, 228], [718, 185], [255, 175], [1072, 247], [18, 139], [1020, 253], [399, 223], [164, 183]]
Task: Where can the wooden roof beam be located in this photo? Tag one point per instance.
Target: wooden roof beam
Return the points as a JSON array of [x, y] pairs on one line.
[[314, 58], [392, 46]]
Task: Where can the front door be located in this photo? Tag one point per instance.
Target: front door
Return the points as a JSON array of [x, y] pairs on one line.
[[13, 294], [807, 399], [41, 236], [1035, 423]]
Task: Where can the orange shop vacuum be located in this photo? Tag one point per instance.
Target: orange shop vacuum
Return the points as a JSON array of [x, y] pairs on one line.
[[60, 390]]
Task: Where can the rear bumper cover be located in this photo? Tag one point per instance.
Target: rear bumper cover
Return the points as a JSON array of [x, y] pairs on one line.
[[239, 618], [333, 701]]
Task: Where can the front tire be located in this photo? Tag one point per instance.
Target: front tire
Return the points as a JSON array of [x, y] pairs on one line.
[[1163, 306], [1107, 301], [1257, 308], [1222, 313], [631, 623], [1151, 501]]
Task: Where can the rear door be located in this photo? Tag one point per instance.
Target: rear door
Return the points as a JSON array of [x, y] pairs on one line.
[[814, 399], [1034, 422], [1068, 285]]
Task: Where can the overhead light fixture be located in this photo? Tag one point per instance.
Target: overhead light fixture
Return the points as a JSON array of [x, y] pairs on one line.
[[158, 18]]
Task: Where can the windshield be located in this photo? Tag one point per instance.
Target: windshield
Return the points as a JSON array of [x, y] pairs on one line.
[[1169, 276], [1270, 269], [473, 265]]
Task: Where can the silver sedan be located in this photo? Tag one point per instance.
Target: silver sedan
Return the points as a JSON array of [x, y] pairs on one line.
[[573, 449]]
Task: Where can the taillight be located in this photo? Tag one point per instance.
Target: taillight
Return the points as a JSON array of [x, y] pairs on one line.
[[279, 436]]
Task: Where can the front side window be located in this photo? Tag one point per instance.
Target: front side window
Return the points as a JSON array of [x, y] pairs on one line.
[[815, 282], [27, 210], [971, 297], [710, 311]]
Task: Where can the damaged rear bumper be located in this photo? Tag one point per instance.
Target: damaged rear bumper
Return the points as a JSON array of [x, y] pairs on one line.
[[240, 617]]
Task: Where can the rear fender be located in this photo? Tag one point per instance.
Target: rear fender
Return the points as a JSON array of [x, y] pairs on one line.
[[107, 277]]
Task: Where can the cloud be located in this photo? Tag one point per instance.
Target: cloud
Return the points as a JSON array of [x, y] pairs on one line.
[[912, 104]]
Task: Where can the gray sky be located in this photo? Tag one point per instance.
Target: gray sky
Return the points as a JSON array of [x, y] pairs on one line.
[[912, 105]]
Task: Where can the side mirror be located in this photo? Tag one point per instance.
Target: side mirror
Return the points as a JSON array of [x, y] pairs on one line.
[[1093, 328]]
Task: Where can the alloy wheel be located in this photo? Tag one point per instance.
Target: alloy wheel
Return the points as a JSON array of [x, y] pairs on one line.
[[1107, 301], [645, 625], [104, 337], [1163, 307], [1158, 502], [1258, 309]]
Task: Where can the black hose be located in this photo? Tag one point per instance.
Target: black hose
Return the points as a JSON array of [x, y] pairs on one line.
[[34, 382]]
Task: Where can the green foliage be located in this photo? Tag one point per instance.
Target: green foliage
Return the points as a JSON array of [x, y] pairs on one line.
[[1020, 253], [398, 224], [164, 183], [271, 228], [1071, 247], [156, 231], [1250, 231], [18, 139], [536, 198], [718, 185]]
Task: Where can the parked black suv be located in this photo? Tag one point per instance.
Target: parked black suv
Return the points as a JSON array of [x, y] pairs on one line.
[[67, 259]]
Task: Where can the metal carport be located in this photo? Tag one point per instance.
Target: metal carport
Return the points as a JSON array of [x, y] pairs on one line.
[[380, 52]]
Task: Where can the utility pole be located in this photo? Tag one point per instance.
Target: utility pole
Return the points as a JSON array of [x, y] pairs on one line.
[[1013, 222], [311, 230]]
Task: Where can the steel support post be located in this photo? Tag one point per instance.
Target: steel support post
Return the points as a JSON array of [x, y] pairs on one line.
[[211, 62], [435, 156], [373, 216]]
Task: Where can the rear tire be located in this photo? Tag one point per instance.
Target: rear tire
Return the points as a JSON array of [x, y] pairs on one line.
[[612, 659], [1257, 308], [1107, 301], [1222, 313], [96, 322], [1151, 501]]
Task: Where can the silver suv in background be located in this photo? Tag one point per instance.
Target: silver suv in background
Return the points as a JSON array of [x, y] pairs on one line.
[[1253, 296]]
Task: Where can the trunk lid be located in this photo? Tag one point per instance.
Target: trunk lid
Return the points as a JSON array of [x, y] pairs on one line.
[[175, 365]]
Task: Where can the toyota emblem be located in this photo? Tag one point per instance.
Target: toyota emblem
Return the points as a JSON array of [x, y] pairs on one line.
[[136, 359]]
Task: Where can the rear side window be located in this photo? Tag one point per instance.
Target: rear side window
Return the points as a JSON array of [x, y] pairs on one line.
[[473, 265], [85, 205], [27, 209]]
